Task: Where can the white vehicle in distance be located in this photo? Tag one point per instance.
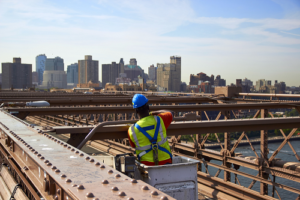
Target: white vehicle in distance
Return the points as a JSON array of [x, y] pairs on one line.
[[37, 104]]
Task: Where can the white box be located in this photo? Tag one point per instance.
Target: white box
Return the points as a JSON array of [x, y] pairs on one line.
[[179, 179]]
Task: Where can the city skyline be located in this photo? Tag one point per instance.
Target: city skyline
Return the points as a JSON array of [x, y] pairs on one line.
[[261, 38]]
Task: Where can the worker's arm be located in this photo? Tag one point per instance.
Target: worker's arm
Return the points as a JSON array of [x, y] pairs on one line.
[[161, 112]]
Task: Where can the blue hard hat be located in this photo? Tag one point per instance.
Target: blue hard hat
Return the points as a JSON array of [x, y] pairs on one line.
[[139, 100]]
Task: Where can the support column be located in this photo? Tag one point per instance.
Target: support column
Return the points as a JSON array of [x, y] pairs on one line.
[[264, 155]]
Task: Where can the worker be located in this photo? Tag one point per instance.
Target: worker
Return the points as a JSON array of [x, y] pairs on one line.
[[149, 135]]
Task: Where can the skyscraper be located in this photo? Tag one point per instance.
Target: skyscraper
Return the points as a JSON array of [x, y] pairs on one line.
[[16, 74], [132, 61], [54, 74], [152, 73], [88, 70], [110, 72], [72, 73], [169, 74], [133, 70], [40, 62]]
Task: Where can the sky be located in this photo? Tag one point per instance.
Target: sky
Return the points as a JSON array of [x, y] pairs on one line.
[[237, 39]]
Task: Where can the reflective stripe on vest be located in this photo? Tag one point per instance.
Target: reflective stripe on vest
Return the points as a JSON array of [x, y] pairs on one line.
[[153, 140]]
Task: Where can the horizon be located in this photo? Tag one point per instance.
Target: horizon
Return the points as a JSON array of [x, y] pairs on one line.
[[259, 37]]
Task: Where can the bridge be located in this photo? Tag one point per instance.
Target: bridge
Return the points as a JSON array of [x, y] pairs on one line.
[[44, 156]]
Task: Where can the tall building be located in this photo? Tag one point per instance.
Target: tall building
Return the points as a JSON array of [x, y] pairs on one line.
[[133, 70], [0, 79], [262, 83], [152, 73], [88, 70], [169, 75], [219, 82], [194, 79], [16, 74], [110, 72], [72, 73], [247, 82], [40, 63], [54, 75], [132, 61], [35, 78]]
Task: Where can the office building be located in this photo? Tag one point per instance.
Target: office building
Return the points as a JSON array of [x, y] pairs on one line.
[[40, 63], [194, 79], [16, 75], [54, 75], [88, 71], [219, 82], [110, 72], [133, 70], [169, 74], [152, 73], [0, 79], [35, 78], [247, 82], [72, 73]]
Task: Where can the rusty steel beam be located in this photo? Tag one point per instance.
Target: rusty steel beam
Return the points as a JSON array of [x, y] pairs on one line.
[[128, 109], [188, 128], [58, 171], [269, 95]]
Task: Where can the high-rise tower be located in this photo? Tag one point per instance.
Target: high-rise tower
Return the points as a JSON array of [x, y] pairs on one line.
[[40, 63], [88, 70]]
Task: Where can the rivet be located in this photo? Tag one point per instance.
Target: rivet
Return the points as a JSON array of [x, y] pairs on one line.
[[55, 140], [69, 147], [90, 195], [133, 181], [114, 189], [63, 176], [110, 171], [80, 187], [130, 198], [53, 167], [145, 187], [122, 194], [96, 199], [39, 155], [117, 175], [57, 171], [46, 161], [81, 154], [56, 198], [68, 181], [58, 142], [36, 152], [77, 152], [74, 185], [42, 158], [25, 168], [73, 150], [92, 160], [87, 158], [155, 193], [32, 150], [30, 147], [58, 191], [49, 164], [97, 163], [164, 198], [65, 145], [102, 166], [104, 182]]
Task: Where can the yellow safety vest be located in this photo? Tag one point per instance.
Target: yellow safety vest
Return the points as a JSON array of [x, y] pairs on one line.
[[143, 135]]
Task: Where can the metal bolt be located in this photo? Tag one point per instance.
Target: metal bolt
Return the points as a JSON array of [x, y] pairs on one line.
[[81, 154], [63, 176], [80, 187], [110, 171], [104, 182], [46, 161], [42, 158], [49, 164], [92, 160], [122, 194], [65, 145], [87, 158], [164, 198], [68, 181], [69, 147], [155, 193], [102, 166], [53, 168], [96, 199], [57, 171], [133, 181], [117, 175], [77, 152], [145, 187], [130, 198], [39, 155], [97, 163], [114, 189], [90, 195]]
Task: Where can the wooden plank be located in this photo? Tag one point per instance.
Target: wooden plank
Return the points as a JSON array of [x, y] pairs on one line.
[[20, 195], [5, 193], [8, 179]]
